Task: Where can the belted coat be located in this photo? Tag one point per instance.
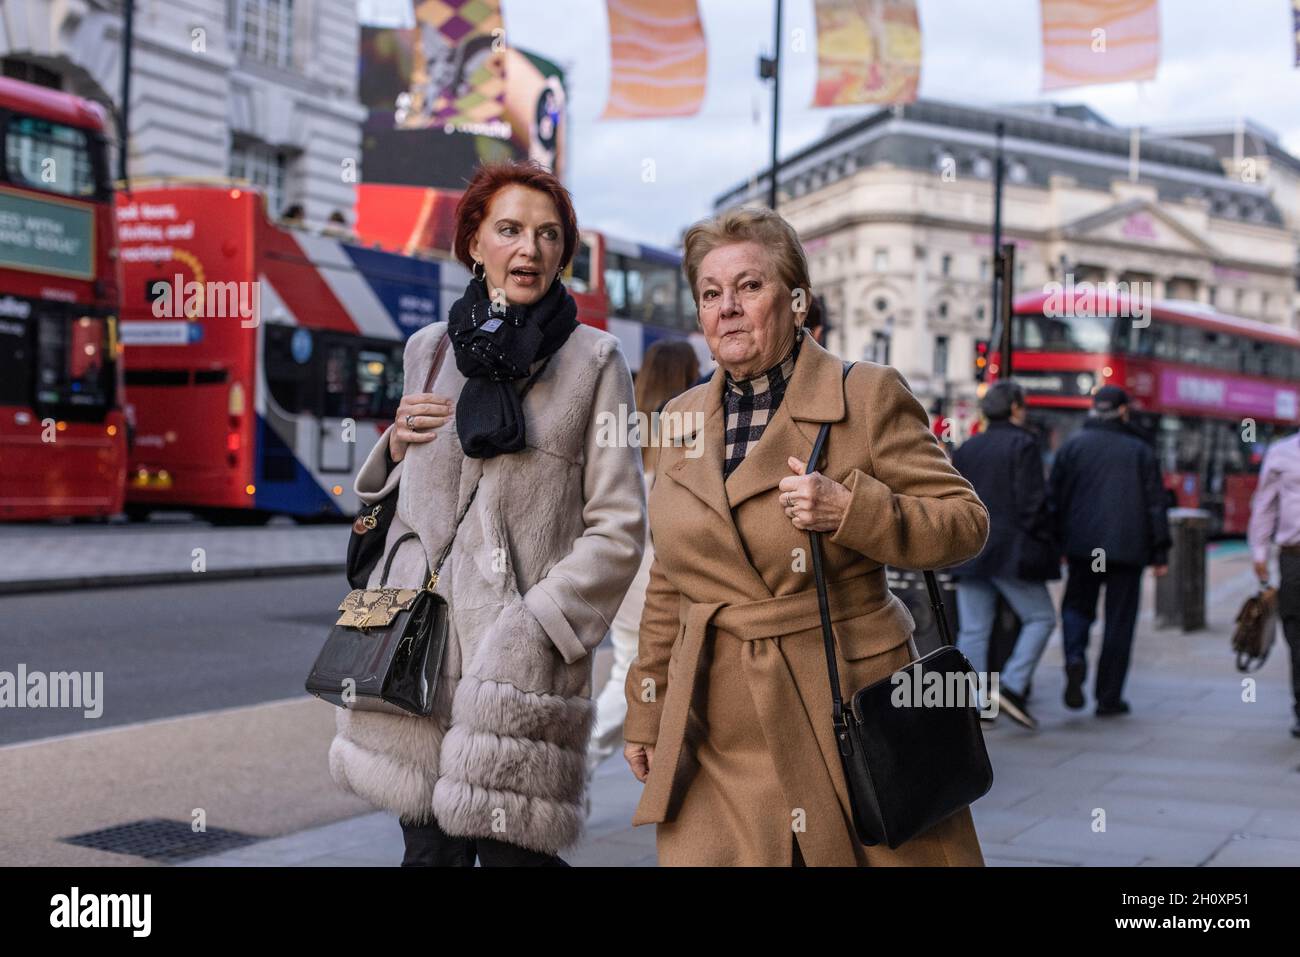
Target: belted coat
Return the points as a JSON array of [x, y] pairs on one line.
[[730, 684], [538, 567]]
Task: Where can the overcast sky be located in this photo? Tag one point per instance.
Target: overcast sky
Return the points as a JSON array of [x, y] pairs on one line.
[[1219, 59]]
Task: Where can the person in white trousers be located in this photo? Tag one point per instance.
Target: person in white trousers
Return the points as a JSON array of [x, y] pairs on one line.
[[669, 367]]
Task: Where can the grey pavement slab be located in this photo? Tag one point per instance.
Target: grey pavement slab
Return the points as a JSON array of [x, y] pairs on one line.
[[43, 558]]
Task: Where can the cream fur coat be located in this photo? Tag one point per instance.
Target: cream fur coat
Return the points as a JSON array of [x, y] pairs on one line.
[[539, 567]]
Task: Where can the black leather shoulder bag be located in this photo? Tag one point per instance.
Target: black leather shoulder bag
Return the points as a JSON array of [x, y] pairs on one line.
[[385, 650], [909, 763]]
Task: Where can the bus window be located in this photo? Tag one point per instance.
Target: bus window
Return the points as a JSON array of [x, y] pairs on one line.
[[580, 276], [15, 358], [1255, 358], [686, 304], [1048, 334], [615, 284], [336, 400], [376, 397], [288, 367], [1164, 341], [1205, 347], [49, 156], [73, 371], [652, 293]]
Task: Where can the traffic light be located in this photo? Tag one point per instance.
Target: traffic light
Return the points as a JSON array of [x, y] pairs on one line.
[[981, 359]]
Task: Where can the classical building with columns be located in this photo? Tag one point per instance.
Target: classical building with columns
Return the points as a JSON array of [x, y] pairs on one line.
[[896, 211], [263, 90]]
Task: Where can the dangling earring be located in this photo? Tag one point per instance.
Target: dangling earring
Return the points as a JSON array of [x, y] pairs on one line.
[[473, 272]]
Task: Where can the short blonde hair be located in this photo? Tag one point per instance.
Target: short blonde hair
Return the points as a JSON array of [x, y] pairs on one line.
[[756, 224]]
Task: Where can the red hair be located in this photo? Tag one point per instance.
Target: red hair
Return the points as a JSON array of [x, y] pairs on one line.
[[492, 178]]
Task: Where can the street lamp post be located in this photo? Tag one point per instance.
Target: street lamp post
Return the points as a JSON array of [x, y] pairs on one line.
[[128, 32], [769, 68]]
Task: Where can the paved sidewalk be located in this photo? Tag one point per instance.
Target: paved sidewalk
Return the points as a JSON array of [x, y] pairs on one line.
[[51, 557], [1194, 776]]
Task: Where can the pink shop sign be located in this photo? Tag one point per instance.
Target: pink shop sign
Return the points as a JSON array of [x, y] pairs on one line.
[[1231, 394]]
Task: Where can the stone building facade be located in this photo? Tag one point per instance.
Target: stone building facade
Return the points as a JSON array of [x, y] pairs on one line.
[[896, 211], [264, 90]]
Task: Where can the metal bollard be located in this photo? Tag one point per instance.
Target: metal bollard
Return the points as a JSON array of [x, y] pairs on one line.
[[1181, 593]]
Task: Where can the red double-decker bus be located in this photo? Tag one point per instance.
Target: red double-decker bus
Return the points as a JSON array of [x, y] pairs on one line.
[[1210, 390], [635, 292], [63, 433]]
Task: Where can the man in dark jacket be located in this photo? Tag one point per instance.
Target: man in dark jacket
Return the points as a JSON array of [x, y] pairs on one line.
[[1109, 504], [1005, 466]]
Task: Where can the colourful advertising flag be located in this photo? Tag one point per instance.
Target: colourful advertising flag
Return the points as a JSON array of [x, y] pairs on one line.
[[1295, 23], [868, 51], [458, 74], [658, 59], [1099, 41]]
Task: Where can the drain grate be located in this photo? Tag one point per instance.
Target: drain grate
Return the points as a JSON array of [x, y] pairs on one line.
[[159, 839]]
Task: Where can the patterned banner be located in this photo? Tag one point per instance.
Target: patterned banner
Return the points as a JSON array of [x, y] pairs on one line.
[[458, 74], [658, 59], [1295, 23], [1099, 41], [868, 51]]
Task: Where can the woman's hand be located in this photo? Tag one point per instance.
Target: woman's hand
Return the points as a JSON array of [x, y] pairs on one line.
[[813, 502], [640, 758], [427, 412]]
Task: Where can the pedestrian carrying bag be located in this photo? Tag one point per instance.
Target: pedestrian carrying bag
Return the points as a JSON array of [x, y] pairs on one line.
[[907, 768], [370, 529]]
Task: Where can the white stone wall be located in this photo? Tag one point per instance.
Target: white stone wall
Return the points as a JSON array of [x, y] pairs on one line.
[[192, 93]]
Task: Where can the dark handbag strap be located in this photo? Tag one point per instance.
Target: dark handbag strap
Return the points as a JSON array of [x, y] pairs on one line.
[[823, 603]]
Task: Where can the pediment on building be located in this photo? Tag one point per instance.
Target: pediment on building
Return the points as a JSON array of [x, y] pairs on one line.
[[1137, 222]]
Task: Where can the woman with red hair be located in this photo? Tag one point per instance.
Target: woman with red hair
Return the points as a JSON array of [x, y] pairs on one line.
[[508, 462]]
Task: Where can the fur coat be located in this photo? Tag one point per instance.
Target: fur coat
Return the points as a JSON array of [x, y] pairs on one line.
[[538, 569]]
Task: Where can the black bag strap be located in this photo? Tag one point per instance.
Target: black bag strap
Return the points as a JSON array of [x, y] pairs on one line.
[[823, 603]]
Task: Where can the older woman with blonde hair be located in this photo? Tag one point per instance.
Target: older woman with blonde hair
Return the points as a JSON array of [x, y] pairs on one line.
[[729, 701]]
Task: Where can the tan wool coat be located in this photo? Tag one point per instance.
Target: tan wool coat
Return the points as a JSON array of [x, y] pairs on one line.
[[730, 682]]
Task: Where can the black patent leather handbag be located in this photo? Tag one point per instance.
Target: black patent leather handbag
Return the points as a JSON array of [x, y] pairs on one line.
[[908, 764], [385, 650]]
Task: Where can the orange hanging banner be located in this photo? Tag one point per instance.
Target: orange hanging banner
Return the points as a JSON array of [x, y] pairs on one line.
[[658, 59], [1099, 41], [868, 51]]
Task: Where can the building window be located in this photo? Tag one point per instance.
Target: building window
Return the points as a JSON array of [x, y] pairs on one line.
[[984, 269], [880, 347], [943, 310], [263, 30], [32, 73], [264, 167], [882, 260], [941, 357], [945, 264]]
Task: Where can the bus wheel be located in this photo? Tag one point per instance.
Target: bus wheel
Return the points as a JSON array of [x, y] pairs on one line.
[[137, 513]]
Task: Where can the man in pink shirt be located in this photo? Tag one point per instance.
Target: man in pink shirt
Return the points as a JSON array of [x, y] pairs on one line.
[[1275, 518]]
